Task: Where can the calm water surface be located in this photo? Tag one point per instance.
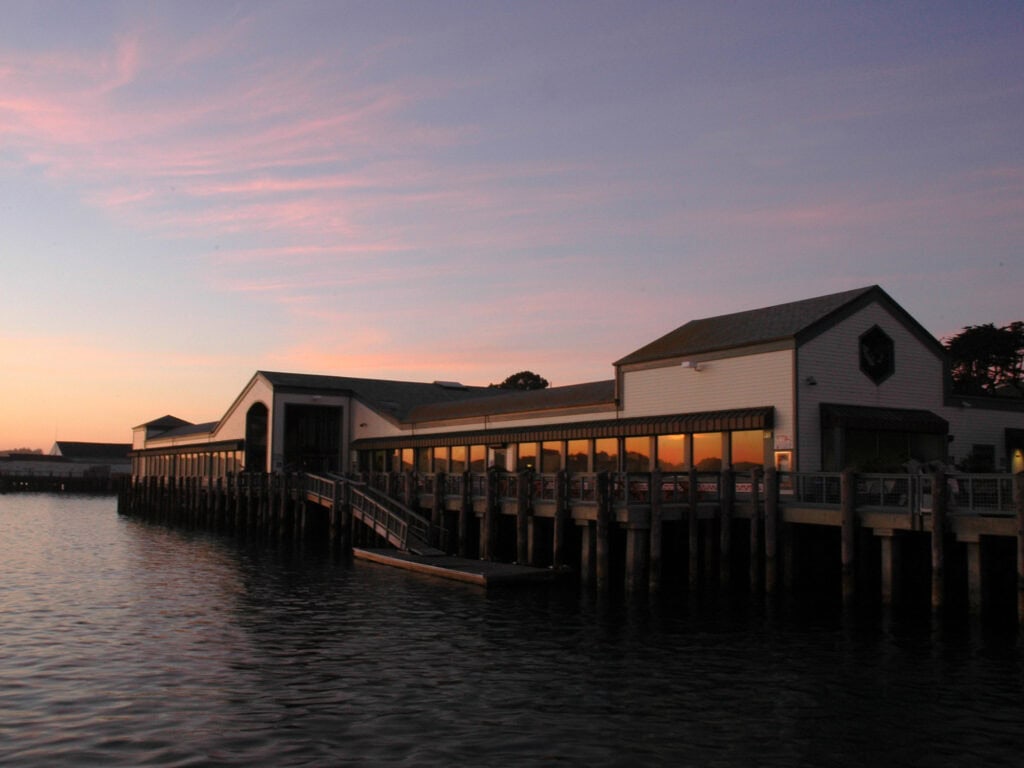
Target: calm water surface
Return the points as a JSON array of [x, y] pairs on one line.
[[125, 643]]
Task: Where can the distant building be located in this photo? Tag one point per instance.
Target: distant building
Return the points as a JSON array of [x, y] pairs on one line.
[[100, 458], [847, 379], [71, 459]]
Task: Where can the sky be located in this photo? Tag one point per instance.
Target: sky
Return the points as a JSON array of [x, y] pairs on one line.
[[194, 191]]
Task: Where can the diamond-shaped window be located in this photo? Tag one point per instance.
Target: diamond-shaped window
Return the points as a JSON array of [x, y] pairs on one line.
[[877, 358]]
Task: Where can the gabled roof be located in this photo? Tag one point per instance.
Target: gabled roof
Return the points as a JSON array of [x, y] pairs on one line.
[[751, 327], [189, 429], [91, 451], [164, 422], [797, 321], [391, 398], [504, 401]]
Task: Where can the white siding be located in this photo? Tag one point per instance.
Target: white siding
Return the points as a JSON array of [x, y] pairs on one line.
[[832, 359], [232, 427], [749, 381]]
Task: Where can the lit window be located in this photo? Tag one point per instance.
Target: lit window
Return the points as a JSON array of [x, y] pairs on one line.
[[638, 454], [606, 454], [707, 452], [747, 450], [577, 455], [551, 457], [672, 453], [527, 457]]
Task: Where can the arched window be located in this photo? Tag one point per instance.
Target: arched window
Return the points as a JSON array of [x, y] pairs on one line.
[[257, 428]]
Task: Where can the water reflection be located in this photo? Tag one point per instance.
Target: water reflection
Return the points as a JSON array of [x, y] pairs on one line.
[[127, 643]]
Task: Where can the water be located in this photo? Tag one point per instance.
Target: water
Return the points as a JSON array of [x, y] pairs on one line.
[[125, 643]]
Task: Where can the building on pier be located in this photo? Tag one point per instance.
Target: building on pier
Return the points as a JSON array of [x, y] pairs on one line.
[[844, 380]]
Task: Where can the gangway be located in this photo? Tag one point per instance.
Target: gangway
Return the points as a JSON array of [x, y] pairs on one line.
[[397, 524]]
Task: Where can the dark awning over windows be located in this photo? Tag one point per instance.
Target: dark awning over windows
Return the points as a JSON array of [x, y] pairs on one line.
[[220, 446], [713, 421], [882, 419]]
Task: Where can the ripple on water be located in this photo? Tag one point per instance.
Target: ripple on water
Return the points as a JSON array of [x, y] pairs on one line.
[[131, 644]]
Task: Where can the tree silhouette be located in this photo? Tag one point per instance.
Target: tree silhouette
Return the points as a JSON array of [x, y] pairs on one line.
[[986, 360], [523, 380]]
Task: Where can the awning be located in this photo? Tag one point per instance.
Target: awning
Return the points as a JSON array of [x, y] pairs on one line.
[[221, 446], [712, 421], [882, 419]]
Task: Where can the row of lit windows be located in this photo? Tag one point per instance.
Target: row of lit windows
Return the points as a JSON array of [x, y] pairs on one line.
[[703, 451], [216, 464]]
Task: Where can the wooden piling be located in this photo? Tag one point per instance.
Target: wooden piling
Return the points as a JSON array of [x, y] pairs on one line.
[[890, 564], [755, 529], [465, 515], [560, 521], [1018, 500], [940, 502], [848, 486], [771, 530], [638, 548], [972, 543], [334, 521], [437, 510], [656, 533], [523, 517], [489, 522], [587, 556], [727, 500], [603, 532], [693, 525], [345, 543]]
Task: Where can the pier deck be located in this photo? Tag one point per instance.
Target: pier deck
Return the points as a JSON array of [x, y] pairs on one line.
[[480, 572]]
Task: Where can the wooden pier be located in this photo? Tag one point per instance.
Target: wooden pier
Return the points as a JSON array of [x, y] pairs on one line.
[[55, 483], [765, 532]]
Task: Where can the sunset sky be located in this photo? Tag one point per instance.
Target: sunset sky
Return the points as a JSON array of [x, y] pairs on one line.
[[192, 191]]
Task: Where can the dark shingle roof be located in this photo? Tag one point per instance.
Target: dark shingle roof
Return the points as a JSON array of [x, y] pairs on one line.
[[189, 429], [93, 451], [164, 422], [754, 326], [503, 401], [394, 398]]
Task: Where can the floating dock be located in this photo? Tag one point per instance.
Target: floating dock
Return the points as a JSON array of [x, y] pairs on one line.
[[480, 572]]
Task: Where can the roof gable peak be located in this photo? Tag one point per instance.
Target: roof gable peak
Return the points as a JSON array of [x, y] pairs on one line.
[[750, 327]]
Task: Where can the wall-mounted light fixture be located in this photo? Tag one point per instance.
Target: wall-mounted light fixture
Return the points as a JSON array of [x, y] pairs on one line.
[[810, 381], [693, 366]]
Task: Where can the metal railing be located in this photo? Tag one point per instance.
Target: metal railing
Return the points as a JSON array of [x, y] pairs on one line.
[[545, 487], [981, 494], [401, 526], [322, 486], [583, 489], [811, 487], [968, 494], [888, 491], [380, 518], [415, 530]]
